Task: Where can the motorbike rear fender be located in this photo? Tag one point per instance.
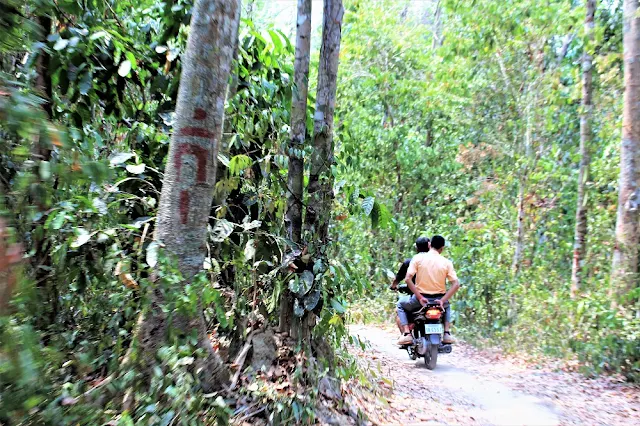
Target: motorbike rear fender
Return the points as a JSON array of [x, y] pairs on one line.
[[434, 339]]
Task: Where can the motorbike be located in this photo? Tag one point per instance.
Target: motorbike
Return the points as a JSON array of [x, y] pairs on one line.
[[427, 328]]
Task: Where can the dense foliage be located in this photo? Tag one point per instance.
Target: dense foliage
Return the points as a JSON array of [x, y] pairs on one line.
[[450, 115], [447, 131], [87, 111]]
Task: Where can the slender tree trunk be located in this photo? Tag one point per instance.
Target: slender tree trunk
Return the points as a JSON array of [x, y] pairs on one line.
[[41, 260], [528, 149], [389, 122], [320, 188], [585, 143], [187, 190], [295, 179], [42, 67], [320, 179], [625, 255], [227, 130], [299, 121], [517, 256], [249, 9], [436, 40]]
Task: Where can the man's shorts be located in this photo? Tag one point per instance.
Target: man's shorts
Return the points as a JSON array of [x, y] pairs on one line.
[[403, 298]]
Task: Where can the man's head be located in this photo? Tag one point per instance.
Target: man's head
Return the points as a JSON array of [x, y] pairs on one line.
[[437, 243], [422, 244]]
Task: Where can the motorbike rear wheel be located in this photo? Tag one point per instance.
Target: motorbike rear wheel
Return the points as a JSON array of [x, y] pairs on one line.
[[431, 357]]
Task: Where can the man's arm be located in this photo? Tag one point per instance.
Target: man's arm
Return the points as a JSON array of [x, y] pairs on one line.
[[394, 284], [455, 285], [409, 280], [402, 272]]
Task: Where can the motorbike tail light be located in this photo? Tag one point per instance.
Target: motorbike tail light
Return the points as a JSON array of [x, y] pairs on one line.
[[433, 313]]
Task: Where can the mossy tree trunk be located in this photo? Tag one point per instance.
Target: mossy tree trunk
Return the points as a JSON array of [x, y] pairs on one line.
[[187, 190]]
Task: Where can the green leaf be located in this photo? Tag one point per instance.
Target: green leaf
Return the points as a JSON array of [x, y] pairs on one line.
[[221, 231], [120, 158], [294, 285], [247, 226], [136, 169], [100, 206], [250, 250], [97, 35], [238, 163], [152, 254], [44, 170], [166, 419], [339, 307], [86, 83], [132, 60], [311, 299], [57, 221], [124, 68], [277, 41], [306, 282], [60, 44], [223, 159], [81, 239], [367, 205], [298, 309]]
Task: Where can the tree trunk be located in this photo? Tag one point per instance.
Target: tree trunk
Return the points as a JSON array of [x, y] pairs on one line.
[[187, 190], [320, 189], [321, 179], [585, 143], [517, 255], [625, 255], [524, 178], [41, 260], [390, 123], [43, 81], [295, 181], [227, 129], [436, 40], [299, 121]]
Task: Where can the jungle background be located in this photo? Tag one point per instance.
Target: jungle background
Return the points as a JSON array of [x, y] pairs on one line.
[[459, 118]]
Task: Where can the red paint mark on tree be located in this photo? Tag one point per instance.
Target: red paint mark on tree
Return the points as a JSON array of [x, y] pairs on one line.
[[195, 131], [201, 155], [184, 206], [199, 114]]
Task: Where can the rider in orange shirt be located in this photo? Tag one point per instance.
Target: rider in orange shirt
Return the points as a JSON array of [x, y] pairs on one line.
[[431, 271]]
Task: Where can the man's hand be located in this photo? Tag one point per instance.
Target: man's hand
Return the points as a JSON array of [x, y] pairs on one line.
[[441, 303], [394, 285], [423, 300]]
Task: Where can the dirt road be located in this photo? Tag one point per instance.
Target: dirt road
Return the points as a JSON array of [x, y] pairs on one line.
[[471, 387]]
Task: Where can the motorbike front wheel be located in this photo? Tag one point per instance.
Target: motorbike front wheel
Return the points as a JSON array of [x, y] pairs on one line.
[[431, 357]]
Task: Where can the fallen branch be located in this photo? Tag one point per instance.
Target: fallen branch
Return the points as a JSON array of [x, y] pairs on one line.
[[239, 362], [248, 416]]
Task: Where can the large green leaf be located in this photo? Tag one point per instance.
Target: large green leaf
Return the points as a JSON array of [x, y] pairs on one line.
[[367, 205]]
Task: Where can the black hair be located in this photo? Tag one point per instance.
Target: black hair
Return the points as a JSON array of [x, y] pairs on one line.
[[437, 242], [422, 244]]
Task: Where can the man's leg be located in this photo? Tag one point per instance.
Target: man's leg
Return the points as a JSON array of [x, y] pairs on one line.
[[399, 324], [447, 325], [404, 307], [401, 298]]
